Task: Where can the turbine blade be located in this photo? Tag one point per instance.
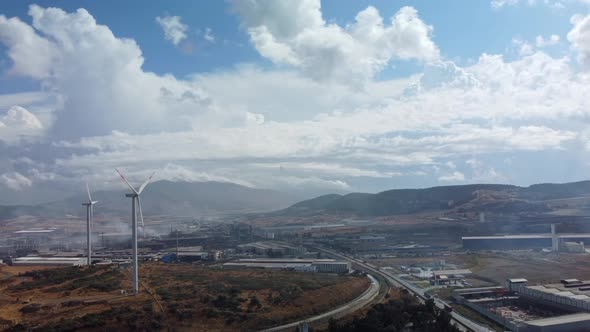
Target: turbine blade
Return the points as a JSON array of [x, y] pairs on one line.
[[124, 179], [88, 192], [145, 183], [93, 202], [140, 212]]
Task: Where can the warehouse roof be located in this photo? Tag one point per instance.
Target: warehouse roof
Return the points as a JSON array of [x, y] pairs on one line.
[[35, 260], [29, 231], [560, 290], [581, 317], [523, 236], [451, 272], [267, 265]]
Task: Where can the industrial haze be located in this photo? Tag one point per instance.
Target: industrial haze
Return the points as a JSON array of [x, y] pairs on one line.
[[168, 198]]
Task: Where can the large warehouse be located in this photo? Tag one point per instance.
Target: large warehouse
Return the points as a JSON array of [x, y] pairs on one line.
[[512, 242], [315, 265], [560, 307]]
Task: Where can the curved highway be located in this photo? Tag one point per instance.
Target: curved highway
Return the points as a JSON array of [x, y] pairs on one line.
[[346, 309], [459, 320]]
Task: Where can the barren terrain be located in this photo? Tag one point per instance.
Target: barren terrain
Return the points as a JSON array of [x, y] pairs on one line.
[[181, 297]]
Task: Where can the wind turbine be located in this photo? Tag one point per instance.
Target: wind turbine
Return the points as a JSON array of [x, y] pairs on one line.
[[89, 215], [135, 195]]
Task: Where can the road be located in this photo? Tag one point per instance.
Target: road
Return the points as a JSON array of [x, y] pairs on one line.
[[344, 310], [458, 320]]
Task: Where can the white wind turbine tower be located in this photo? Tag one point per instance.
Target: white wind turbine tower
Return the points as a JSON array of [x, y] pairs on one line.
[[135, 195], [89, 215]]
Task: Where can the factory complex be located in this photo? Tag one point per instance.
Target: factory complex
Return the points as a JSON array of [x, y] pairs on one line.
[[553, 240], [520, 307]]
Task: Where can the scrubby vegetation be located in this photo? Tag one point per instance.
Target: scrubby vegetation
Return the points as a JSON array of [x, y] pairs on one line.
[[196, 298], [117, 318], [178, 297], [44, 278], [403, 313], [254, 298], [104, 282]]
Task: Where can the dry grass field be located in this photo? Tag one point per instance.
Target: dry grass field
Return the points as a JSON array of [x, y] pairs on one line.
[[176, 297]]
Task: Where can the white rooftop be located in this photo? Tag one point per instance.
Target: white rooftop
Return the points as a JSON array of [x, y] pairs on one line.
[[560, 290], [48, 259], [25, 231], [581, 317], [524, 236], [451, 272]]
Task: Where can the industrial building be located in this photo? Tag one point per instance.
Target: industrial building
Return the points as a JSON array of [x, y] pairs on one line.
[[296, 264], [562, 307], [35, 231], [570, 294], [191, 254], [271, 248], [520, 242], [318, 230], [35, 260], [447, 277], [331, 266]]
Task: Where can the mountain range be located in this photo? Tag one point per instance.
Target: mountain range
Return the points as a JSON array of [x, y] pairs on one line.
[[165, 198], [217, 198], [473, 197]]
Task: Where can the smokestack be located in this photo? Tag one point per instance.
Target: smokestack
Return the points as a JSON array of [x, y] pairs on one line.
[[482, 217], [554, 240]]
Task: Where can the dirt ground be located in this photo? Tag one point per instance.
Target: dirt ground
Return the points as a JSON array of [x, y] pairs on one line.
[[182, 297], [537, 267], [533, 266], [9, 271]]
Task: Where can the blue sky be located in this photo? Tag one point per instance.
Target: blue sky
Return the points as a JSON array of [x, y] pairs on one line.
[[298, 96], [462, 29]]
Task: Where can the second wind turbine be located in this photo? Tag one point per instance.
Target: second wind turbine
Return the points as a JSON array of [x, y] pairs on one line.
[[135, 195], [89, 215]]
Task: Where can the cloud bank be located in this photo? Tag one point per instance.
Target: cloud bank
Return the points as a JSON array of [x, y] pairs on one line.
[[329, 125]]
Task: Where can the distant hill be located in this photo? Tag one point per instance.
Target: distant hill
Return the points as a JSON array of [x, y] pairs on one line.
[[216, 198], [166, 198], [314, 204], [546, 191], [473, 197]]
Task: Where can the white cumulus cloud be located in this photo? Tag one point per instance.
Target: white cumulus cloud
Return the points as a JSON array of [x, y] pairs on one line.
[[15, 181], [98, 77], [541, 41], [174, 29], [18, 123], [453, 177], [19, 117], [313, 130], [208, 35], [579, 37], [294, 33]]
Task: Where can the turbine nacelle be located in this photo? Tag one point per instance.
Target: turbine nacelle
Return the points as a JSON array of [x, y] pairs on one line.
[[137, 193], [90, 201]]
